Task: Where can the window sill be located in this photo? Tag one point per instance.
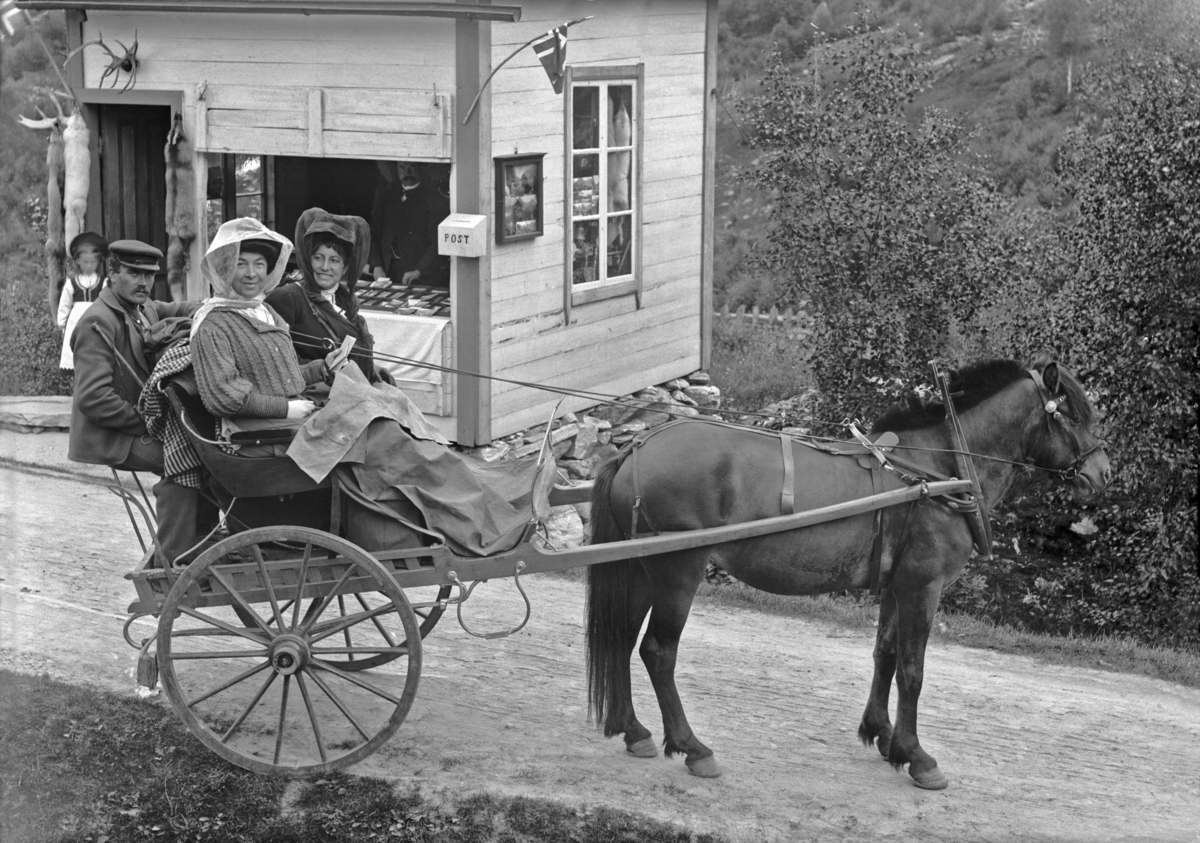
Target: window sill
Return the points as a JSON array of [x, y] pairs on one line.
[[601, 291]]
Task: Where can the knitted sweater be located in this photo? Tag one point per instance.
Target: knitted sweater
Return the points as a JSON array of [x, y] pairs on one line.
[[248, 368]]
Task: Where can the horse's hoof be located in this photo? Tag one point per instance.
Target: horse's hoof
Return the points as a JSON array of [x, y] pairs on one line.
[[644, 748], [705, 768], [929, 779]]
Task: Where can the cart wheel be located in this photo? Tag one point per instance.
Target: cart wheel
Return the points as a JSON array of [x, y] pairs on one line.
[[427, 615], [275, 697]]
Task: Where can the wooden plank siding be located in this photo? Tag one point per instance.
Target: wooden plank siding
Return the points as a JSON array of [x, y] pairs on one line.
[[610, 346], [352, 87]]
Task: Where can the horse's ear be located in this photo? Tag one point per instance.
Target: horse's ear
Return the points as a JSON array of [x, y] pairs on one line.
[[1050, 377]]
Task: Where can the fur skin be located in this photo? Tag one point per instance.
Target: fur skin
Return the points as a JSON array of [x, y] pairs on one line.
[[55, 249], [78, 163], [181, 189]]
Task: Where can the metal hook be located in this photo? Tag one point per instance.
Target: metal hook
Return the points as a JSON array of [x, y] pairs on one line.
[[466, 593]]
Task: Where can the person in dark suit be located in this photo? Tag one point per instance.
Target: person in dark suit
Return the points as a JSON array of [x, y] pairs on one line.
[[404, 229], [111, 366]]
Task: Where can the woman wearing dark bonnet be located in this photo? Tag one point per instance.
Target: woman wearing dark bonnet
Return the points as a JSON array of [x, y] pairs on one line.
[[322, 309]]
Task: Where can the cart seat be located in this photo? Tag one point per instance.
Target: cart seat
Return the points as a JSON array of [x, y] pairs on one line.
[[242, 477]]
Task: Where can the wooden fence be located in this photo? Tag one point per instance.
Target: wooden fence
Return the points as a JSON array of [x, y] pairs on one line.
[[797, 323]]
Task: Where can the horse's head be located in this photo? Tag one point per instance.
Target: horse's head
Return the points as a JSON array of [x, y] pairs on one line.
[[1066, 445]]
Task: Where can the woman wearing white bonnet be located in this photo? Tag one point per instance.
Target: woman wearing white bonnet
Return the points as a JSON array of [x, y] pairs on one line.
[[241, 348]]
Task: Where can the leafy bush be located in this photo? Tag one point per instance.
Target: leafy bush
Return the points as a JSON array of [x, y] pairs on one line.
[[876, 222], [1128, 316], [30, 342], [907, 254]]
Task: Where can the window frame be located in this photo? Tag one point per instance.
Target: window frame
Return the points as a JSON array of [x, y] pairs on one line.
[[229, 194], [634, 75]]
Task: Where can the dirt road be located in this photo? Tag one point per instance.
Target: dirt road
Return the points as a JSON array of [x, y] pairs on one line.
[[1033, 752]]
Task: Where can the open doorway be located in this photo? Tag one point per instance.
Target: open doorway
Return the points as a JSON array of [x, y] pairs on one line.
[[133, 178]]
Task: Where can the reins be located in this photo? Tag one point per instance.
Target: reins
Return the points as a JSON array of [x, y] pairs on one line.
[[322, 343]]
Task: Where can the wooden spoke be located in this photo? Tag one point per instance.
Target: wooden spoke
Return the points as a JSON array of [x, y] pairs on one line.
[[250, 707], [240, 631], [241, 677], [354, 680], [387, 636], [312, 717], [276, 612], [240, 602], [336, 700], [221, 654], [348, 621], [336, 591], [345, 632], [287, 683], [300, 583]]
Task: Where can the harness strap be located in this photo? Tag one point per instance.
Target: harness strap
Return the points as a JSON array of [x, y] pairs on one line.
[[977, 517], [637, 488], [876, 562], [787, 497], [881, 575]]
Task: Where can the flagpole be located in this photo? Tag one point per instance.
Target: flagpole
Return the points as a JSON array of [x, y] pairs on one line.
[[511, 56]]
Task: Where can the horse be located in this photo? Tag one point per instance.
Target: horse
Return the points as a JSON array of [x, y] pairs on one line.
[[693, 474]]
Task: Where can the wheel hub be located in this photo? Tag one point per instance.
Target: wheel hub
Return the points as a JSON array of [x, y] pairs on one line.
[[289, 654]]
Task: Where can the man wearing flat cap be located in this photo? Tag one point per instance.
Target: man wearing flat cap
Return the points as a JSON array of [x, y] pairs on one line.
[[111, 366]]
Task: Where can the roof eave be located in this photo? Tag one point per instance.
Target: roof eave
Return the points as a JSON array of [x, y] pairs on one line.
[[393, 8]]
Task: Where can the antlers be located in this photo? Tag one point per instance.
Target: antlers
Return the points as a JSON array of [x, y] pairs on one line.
[[58, 122], [126, 61]]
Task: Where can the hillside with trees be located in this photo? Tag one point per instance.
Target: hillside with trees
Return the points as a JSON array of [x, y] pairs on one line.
[[931, 181]]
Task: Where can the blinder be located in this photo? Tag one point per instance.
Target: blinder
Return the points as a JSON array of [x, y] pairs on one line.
[[1051, 405]]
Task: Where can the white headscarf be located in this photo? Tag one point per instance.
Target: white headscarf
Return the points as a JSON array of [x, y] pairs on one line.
[[220, 266]]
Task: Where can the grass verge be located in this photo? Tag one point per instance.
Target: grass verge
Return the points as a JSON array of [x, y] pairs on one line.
[[90, 767], [1118, 655]]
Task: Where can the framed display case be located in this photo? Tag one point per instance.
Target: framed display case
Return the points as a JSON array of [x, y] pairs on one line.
[[519, 197]]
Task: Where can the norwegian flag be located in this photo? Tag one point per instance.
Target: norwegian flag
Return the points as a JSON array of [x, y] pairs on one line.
[[551, 48], [8, 11]]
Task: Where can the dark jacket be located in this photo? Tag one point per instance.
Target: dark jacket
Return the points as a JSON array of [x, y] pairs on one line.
[[104, 418], [404, 233], [311, 318]]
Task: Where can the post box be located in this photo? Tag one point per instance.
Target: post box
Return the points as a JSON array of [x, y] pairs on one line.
[[463, 235]]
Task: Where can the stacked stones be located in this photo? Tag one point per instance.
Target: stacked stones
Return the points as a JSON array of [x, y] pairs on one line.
[[581, 441]]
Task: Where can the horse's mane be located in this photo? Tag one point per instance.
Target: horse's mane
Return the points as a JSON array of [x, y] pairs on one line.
[[973, 384]]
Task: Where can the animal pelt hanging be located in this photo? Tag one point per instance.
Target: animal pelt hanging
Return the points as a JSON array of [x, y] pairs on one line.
[[78, 170], [181, 194], [55, 251]]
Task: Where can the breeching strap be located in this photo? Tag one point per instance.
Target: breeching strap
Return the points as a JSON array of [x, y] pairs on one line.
[[787, 497], [977, 518]]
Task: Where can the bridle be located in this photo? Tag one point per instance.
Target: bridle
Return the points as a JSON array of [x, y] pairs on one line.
[[1051, 405]]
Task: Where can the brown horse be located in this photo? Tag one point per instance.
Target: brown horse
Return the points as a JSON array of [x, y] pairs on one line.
[[695, 475]]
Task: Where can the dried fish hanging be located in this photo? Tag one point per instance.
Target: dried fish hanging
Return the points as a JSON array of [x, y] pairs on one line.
[[181, 210]]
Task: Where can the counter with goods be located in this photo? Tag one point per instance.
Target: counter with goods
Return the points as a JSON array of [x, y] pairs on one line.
[[413, 336]]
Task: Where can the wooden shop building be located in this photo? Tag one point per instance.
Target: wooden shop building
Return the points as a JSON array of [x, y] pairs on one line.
[[589, 212]]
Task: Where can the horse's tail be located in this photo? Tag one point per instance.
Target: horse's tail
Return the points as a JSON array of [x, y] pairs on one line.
[[610, 589]]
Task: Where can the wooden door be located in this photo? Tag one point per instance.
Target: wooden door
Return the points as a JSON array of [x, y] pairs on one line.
[[133, 177]]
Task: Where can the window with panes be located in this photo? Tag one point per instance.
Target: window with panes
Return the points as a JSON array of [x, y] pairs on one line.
[[603, 180]]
